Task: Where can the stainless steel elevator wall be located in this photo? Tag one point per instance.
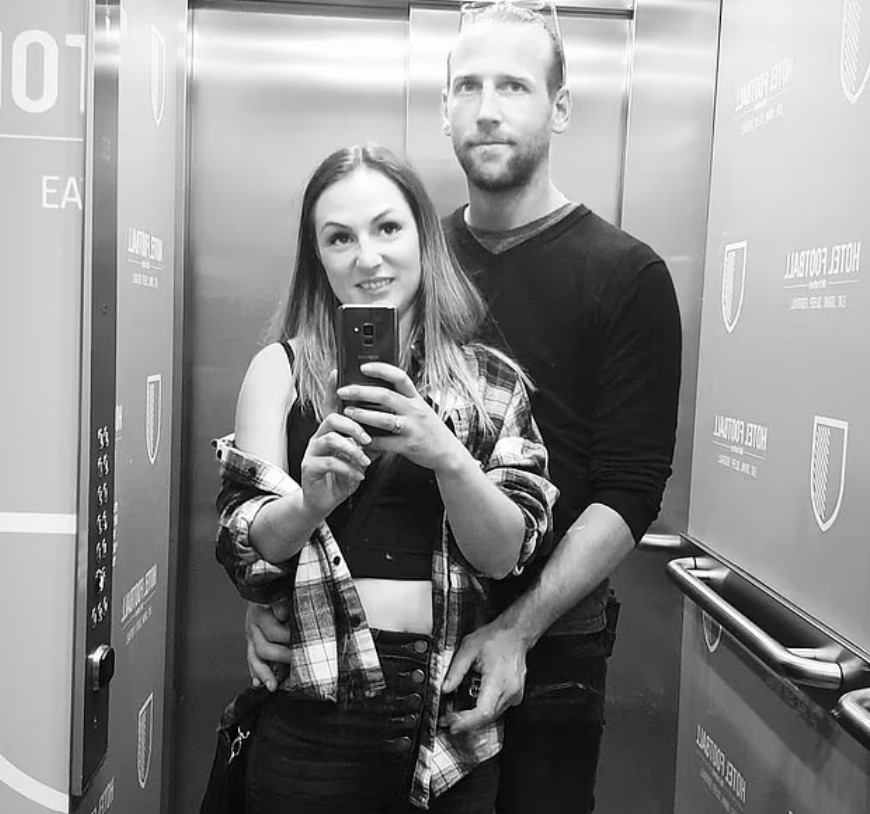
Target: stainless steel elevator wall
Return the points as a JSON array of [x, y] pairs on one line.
[[274, 86], [273, 90]]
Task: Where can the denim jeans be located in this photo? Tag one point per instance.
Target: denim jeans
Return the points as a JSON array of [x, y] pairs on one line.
[[552, 740], [316, 757]]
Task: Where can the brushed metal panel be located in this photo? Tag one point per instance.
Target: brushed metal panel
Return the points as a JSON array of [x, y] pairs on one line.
[[586, 160], [665, 192], [622, 8], [97, 441], [274, 88], [667, 182]]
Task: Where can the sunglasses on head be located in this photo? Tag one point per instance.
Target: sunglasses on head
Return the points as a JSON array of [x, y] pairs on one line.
[[541, 12]]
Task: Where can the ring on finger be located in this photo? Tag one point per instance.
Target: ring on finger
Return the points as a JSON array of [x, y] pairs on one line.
[[398, 422]]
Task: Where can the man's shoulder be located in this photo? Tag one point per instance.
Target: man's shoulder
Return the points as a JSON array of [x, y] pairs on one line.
[[600, 237], [454, 221]]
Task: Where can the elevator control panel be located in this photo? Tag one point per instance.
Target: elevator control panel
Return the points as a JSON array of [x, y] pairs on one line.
[[94, 658]]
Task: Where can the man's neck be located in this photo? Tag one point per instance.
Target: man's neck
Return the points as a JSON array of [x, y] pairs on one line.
[[512, 208]]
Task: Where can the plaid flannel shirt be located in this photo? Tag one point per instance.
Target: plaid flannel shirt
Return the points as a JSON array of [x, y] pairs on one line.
[[333, 652]]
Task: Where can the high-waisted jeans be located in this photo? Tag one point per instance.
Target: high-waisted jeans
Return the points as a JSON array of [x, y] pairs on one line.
[[317, 757]]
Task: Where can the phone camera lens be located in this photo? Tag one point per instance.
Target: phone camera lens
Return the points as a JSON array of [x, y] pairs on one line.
[[368, 329]]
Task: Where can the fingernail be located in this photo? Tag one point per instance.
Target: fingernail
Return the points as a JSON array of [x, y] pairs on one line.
[[366, 438], [255, 681]]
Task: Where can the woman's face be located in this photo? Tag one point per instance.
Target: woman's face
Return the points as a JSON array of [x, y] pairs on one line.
[[368, 242]]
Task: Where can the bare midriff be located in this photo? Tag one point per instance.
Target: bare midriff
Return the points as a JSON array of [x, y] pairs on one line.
[[397, 604]]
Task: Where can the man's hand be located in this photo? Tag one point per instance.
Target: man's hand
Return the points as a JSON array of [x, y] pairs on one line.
[[499, 654], [266, 636]]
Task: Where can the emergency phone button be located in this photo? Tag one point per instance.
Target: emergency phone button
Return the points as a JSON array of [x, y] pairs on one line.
[[101, 667]]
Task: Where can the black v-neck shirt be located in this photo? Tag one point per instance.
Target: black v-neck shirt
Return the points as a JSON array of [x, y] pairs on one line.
[[591, 314]]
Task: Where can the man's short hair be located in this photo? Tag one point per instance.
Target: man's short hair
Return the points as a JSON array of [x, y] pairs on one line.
[[520, 14]]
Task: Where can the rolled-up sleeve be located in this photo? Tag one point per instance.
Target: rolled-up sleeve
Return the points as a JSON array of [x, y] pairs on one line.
[[517, 464], [248, 484]]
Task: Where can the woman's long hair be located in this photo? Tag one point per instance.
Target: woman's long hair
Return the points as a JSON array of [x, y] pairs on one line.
[[448, 310]]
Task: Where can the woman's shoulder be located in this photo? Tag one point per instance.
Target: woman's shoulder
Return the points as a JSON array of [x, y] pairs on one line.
[[276, 357], [269, 374]]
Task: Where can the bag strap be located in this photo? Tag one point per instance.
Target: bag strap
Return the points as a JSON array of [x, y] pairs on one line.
[[291, 357]]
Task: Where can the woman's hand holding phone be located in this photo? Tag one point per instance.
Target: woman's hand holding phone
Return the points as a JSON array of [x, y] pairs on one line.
[[335, 463], [410, 427]]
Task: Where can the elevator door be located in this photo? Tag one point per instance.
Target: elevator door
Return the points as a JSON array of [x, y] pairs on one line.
[[273, 90]]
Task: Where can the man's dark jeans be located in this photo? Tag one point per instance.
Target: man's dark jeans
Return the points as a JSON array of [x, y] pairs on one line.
[[553, 738], [315, 757]]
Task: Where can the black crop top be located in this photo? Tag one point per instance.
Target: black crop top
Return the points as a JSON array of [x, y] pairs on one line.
[[395, 538]]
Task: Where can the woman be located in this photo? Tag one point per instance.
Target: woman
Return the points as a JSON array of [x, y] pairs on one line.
[[383, 543]]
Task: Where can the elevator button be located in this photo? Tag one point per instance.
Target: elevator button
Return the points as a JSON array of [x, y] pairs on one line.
[[101, 667]]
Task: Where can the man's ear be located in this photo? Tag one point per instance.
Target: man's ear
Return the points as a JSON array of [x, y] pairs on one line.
[[563, 104], [445, 120]]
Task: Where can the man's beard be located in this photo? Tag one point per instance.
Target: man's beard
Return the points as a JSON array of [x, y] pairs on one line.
[[516, 172]]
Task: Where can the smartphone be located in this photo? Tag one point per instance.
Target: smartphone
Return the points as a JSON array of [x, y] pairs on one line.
[[366, 333]]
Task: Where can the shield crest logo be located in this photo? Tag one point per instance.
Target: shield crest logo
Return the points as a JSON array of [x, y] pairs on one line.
[[153, 411], [712, 632], [146, 738], [828, 469], [733, 283], [158, 75], [854, 50]]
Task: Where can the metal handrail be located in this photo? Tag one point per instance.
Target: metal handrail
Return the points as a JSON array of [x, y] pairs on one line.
[[812, 667], [853, 710], [663, 542]]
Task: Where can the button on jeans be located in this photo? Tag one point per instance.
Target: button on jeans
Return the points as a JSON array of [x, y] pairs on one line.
[[317, 757]]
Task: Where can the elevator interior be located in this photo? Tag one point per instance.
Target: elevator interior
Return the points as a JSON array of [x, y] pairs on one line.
[[275, 86]]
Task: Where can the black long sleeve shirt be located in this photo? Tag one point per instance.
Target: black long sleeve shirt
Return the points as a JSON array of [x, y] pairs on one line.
[[591, 314]]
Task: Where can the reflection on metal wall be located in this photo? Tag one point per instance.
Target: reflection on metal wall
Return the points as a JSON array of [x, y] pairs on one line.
[[586, 160], [665, 204], [152, 32], [753, 742], [42, 84], [783, 433], [150, 37], [274, 89], [667, 182]]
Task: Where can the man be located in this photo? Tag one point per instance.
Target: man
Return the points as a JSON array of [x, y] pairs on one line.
[[591, 314]]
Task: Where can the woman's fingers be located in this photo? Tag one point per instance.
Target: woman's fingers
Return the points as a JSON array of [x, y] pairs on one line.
[[378, 419], [374, 395], [336, 453], [343, 425], [391, 375], [331, 404]]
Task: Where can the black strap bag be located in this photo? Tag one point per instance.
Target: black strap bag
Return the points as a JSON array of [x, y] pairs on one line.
[[225, 792]]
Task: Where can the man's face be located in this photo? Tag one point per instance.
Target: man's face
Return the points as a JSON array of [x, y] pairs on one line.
[[497, 106]]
